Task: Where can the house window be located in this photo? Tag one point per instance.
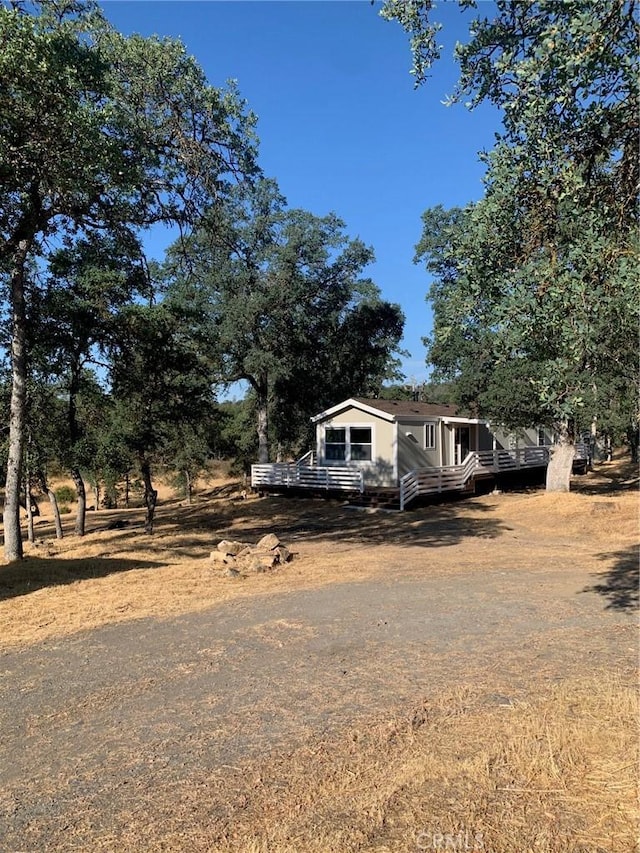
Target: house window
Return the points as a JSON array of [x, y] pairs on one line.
[[348, 444], [429, 436], [541, 437], [335, 443], [360, 441]]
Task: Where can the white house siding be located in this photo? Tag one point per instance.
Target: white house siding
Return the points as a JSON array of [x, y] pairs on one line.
[[398, 441], [448, 431], [380, 471]]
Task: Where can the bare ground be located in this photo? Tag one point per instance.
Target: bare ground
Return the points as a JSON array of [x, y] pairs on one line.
[[464, 668]]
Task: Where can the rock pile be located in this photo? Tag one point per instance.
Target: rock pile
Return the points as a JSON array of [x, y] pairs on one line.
[[266, 555]]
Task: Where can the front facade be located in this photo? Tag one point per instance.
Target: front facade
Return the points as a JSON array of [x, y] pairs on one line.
[[414, 449], [386, 439]]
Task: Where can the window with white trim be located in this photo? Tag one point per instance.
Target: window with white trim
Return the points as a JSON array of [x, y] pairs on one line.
[[430, 436], [348, 444], [360, 444], [335, 443]]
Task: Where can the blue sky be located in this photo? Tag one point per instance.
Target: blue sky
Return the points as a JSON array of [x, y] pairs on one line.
[[341, 126]]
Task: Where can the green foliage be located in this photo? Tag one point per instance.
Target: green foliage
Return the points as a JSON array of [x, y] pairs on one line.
[[97, 131], [236, 437], [285, 307], [97, 127], [423, 392], [46, 428], [396, 392], [536, 286], [187, 451], [65, 494], [86, 284], [160, 380]]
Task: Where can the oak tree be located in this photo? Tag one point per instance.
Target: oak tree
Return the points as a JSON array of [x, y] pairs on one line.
[[287, 305], [97, 129], [536, 285]]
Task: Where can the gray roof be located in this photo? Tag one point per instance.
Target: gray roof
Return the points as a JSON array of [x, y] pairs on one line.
[[408, 408]]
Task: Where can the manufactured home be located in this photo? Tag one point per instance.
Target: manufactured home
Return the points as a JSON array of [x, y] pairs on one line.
[[415, 448], [385, 439]]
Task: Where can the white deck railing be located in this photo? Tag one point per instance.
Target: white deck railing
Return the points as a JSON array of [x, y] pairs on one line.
[[304, 475], [422, 481], [478, 463]]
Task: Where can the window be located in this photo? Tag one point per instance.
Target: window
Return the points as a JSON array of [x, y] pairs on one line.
[[335, 443], [542, 439], [429, 436], [348, 444], [360, 443]]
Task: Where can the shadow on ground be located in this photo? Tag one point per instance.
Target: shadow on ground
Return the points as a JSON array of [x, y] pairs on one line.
[[620, 583], [35, 573], [318, 520], [605, 478]]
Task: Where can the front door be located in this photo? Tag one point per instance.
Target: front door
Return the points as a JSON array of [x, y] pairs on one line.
[[462, 444]]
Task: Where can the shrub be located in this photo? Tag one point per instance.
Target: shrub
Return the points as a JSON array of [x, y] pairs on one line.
[[65, 494]]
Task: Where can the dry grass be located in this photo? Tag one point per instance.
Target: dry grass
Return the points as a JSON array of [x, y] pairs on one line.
[[113, 575], [549, 770], [556, 775]]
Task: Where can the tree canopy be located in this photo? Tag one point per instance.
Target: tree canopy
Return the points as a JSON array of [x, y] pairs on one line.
[[288, 308], [97, 130], [536, 285]]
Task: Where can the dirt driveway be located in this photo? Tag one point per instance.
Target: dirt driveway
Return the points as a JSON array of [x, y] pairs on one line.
[[110, 728], [92, 720]]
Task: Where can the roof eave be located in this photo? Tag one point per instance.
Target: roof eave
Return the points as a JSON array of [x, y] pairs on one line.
[[454, 420], [352, 404]]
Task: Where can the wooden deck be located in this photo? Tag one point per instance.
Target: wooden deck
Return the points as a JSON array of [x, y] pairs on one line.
[[478, 465]]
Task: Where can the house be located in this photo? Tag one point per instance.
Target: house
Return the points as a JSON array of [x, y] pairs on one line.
[[413, 448], [385, 439]]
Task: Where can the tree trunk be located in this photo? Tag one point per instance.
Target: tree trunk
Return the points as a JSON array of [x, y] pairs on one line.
[[53, 500], [96, 493], [187, 486], [633, 437], [74, 436], [81, 514], [29, 505], [126, 490], [11, 516], [150, 495], [263, 424], [561, 462]]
